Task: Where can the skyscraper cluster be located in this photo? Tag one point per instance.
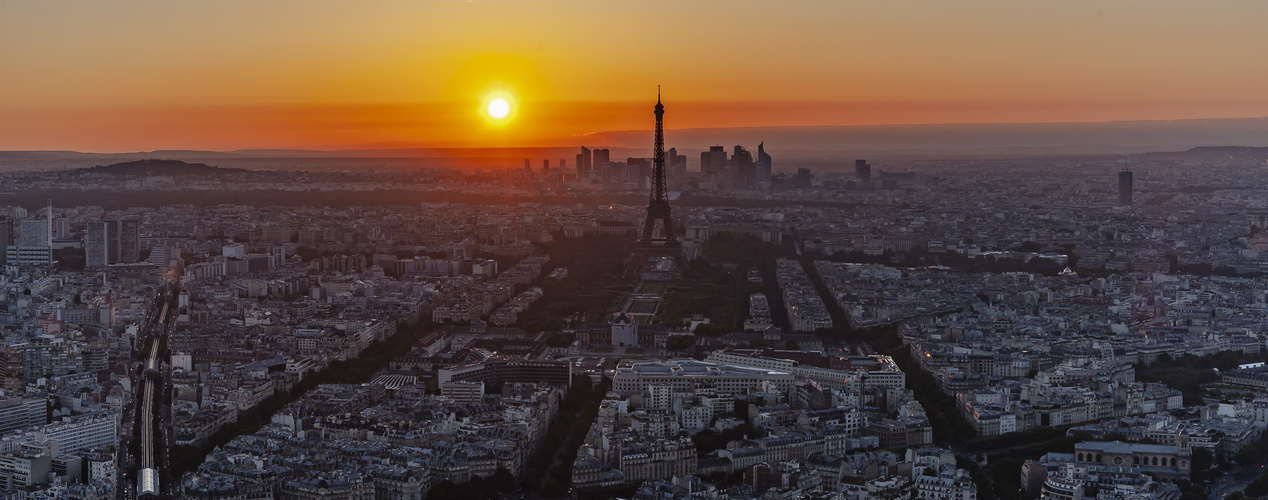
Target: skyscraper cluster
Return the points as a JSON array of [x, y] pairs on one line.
[[594, 169], [740, 171]]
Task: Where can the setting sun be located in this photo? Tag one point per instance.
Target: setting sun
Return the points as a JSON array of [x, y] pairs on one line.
[[498, 107]]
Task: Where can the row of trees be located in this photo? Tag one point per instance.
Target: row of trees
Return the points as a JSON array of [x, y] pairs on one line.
[[919, 257], [489, 488], [594, 286], [550, 471], [1257, 488], [708, 441], [1205, 269], [186, 458], [944, 416], [1189, 372], [717, 283]]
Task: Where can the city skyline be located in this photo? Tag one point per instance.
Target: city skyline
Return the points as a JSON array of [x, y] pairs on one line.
[[459, 250]]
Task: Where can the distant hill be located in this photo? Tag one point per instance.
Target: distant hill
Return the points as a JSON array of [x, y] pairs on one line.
[[1213, 155], [1229, 150], [175, 168]]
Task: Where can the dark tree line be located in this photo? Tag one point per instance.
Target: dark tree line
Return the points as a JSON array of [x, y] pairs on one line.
[[549, 472], [186, 458], [1189, 372], [486, 488], [596, 265]]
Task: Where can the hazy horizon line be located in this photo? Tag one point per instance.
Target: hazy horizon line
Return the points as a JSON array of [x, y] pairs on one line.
[[578, 141]]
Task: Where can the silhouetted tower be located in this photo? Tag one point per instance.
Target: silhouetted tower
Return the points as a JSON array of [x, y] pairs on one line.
[[763, 164], [49, 224], [745, 172], [584, 163], [658, 205], [862, 171], [717, 160], [1125, 188], [7, 237], [649, 245], [676, 169]]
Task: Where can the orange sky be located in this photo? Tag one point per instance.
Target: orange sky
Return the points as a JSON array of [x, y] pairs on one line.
[[326, 74]]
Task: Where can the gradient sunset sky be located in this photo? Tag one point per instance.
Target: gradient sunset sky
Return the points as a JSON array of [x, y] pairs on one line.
[[107, 76]]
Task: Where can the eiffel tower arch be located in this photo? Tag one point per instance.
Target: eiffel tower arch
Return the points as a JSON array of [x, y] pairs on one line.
[[651, 245]]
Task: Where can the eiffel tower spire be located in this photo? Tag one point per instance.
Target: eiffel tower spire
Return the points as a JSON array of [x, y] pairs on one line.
[[649, 245], [658, 196], [658, 204]]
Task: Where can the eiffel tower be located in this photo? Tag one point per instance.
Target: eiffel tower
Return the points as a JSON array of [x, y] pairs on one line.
[[649, 244]]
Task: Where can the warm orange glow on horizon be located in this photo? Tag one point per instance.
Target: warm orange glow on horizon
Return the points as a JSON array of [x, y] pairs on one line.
[[406, 125], [236, 74]]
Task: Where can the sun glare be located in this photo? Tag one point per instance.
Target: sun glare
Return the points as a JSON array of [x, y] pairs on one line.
[[498, 108]]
